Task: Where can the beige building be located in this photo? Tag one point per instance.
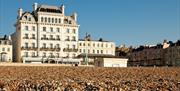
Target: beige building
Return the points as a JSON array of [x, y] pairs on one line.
[[172, 54], [45, 33], [167, 54], [93, 49], [5, 49]]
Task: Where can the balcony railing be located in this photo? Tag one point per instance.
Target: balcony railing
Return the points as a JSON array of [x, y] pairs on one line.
[[73, 40], [67, 39], [44, 39], [50, 49], [70, 50], [58, 39], [32, 38], [25, 37], [29, 48], [50, 39]]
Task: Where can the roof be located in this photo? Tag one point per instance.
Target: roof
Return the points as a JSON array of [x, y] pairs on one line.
[[97, 55], [48, 8], [94, 40]]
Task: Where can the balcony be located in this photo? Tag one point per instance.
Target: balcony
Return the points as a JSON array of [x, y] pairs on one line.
[[32, 38], [67, 39], [44, 38], [29, 48], [49, 49], [52, 39], [58, 39], [73, 40], [25, 37], [70, 50]]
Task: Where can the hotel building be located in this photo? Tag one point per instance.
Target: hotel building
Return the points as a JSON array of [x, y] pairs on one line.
[[47, 33]]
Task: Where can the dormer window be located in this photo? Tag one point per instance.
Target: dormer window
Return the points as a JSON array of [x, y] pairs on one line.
[[70, 22], [29, 19]]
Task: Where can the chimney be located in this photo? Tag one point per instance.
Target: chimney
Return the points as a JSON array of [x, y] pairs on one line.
[[74, 16], [62, 8], [20, 11], [35, 6]]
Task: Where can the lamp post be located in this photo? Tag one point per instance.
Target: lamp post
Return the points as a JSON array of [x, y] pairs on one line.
[[86, 52]]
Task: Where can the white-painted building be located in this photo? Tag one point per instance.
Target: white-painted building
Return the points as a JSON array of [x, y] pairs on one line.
[[5, 49], [45, 33], [111, 62]]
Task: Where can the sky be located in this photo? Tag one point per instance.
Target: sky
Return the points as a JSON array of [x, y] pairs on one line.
[[129, 22]]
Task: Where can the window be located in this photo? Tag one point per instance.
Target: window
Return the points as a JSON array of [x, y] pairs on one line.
[[84, 50], [57, 45], [88, 51], [68, 39], [102, 45], [45, 19], [59, 20], [33, 28], [51, 45], [68, 46], [44, 45], [44, 54], [98, 44], [97, 51], [51, 36], [80, 50], [80, 44], [93, 51], [84, 44], [52, 20], [74, 46], [57, 55], [33, 36], [101, 51], [44, 36], [55, 20], [29, 18], [33, 45], [74, 55], [93, 44], [88, 44], [57, 37], [51, 29], [8, 49], [26, 28], [26, 36], [42, 19], [3, 49], [74, 31], [68, 30], [58, 30], [26, 54], [44, 29], [73, 38], [26, 45], [70, 22], [49, 20], [33, 54]]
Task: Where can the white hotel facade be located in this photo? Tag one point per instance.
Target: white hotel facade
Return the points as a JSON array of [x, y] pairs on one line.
[[47, 33]]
